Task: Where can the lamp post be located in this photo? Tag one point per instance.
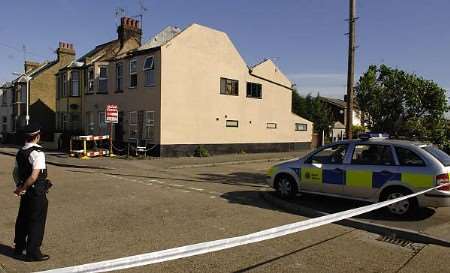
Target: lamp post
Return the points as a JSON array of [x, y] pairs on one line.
[[23, 78]]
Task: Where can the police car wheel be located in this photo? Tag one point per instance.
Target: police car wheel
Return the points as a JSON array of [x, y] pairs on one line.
[[402, 208], [286, 187]]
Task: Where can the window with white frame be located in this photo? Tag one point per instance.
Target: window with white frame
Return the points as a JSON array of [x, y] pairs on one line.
[[75, 83], [90, 123], [132, 125], [102, 129], [23, 94], [103, 79], [133, 73], [149, 124], [119, 76], [149, 71], [91, 80], [301, 127]]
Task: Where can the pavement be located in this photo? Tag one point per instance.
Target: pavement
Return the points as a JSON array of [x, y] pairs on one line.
[[139, 206], [124, 163]]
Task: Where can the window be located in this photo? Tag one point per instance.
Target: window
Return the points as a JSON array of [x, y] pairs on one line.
[[132, 125], [301, 127], [373, 155], [75, 84], [149, 72], [64, 85], [438, 154], [91, 79], [102, 129], [133, 74], [232, 123], [229, 87], [149, 125], [408, 158], [254, 90], [103, 80], [65, 121], [119, 76], [90, 123], [23, 94], [330, 155], [271, 125]]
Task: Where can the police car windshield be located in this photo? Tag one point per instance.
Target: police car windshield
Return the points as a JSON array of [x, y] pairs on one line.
[[438, 154]]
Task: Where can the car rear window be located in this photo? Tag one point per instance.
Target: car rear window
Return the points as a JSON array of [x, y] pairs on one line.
[[443, 157]]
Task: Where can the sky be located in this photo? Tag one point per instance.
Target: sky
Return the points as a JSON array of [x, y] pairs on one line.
[[305, 38]]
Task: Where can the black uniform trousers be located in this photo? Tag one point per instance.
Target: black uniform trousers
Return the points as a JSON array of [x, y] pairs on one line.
[[30, 223]]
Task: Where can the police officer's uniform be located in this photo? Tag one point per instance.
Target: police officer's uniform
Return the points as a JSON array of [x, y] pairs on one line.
[[30, 223]]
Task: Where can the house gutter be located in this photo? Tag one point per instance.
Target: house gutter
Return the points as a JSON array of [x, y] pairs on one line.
[[250, 71]]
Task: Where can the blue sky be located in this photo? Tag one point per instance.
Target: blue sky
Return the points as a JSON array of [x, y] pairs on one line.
[[304, 37]]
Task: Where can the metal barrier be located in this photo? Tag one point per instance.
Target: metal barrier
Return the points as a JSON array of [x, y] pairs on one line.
[[84, 152]]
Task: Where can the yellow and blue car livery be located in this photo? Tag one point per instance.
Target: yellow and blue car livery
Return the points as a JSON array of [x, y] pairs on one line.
[[345, 177]]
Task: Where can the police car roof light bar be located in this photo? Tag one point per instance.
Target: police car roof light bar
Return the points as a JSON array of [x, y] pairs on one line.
[[373, 135]]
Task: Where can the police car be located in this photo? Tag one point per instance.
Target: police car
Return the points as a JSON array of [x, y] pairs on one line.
[[372, 168]]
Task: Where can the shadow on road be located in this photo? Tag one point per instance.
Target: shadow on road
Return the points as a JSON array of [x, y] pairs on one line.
[[323, 204], [236, 178], [6, 250], [333, 204]]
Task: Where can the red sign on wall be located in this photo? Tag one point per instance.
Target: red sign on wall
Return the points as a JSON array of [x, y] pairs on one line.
[[111, 113]]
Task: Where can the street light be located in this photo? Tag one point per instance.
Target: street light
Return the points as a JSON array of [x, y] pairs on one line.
[[23, 78]]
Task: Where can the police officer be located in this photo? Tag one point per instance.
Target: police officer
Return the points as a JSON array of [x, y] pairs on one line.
[[32, 188]]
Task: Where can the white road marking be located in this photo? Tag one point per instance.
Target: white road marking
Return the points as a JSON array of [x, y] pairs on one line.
[[196, 189]]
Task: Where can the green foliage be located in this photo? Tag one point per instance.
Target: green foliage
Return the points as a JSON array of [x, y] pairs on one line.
[[402, 104], [357, 130], [311, 108], [201, 151]]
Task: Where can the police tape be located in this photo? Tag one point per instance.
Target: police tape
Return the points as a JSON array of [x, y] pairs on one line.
[[217, 245]]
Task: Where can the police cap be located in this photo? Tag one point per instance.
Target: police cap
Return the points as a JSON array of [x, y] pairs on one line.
[[32, 129]]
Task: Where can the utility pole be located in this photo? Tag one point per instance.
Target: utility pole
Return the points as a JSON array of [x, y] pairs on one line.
[[351, 69]]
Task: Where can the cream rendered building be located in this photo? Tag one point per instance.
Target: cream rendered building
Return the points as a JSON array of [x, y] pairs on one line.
[[188, 88]]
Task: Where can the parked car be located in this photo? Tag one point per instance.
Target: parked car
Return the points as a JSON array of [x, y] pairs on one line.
[[369, 169]]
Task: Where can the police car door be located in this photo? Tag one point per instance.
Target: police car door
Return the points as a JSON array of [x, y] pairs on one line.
[[323, 171], [371, 166]]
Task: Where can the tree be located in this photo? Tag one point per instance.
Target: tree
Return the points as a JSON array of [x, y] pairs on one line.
[[402, 104], [311, 108]]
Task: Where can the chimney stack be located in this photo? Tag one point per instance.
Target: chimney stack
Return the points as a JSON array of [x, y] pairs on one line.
[[30, 65], [65, 50], [129, 29]]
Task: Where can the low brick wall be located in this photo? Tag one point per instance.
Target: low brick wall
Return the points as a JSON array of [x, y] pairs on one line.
[[177, 150]]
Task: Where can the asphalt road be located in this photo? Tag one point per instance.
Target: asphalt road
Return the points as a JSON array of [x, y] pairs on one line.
[[96, 215]]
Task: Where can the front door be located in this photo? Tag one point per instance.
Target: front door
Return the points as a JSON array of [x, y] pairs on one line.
[[323, 171], [118, 132]]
